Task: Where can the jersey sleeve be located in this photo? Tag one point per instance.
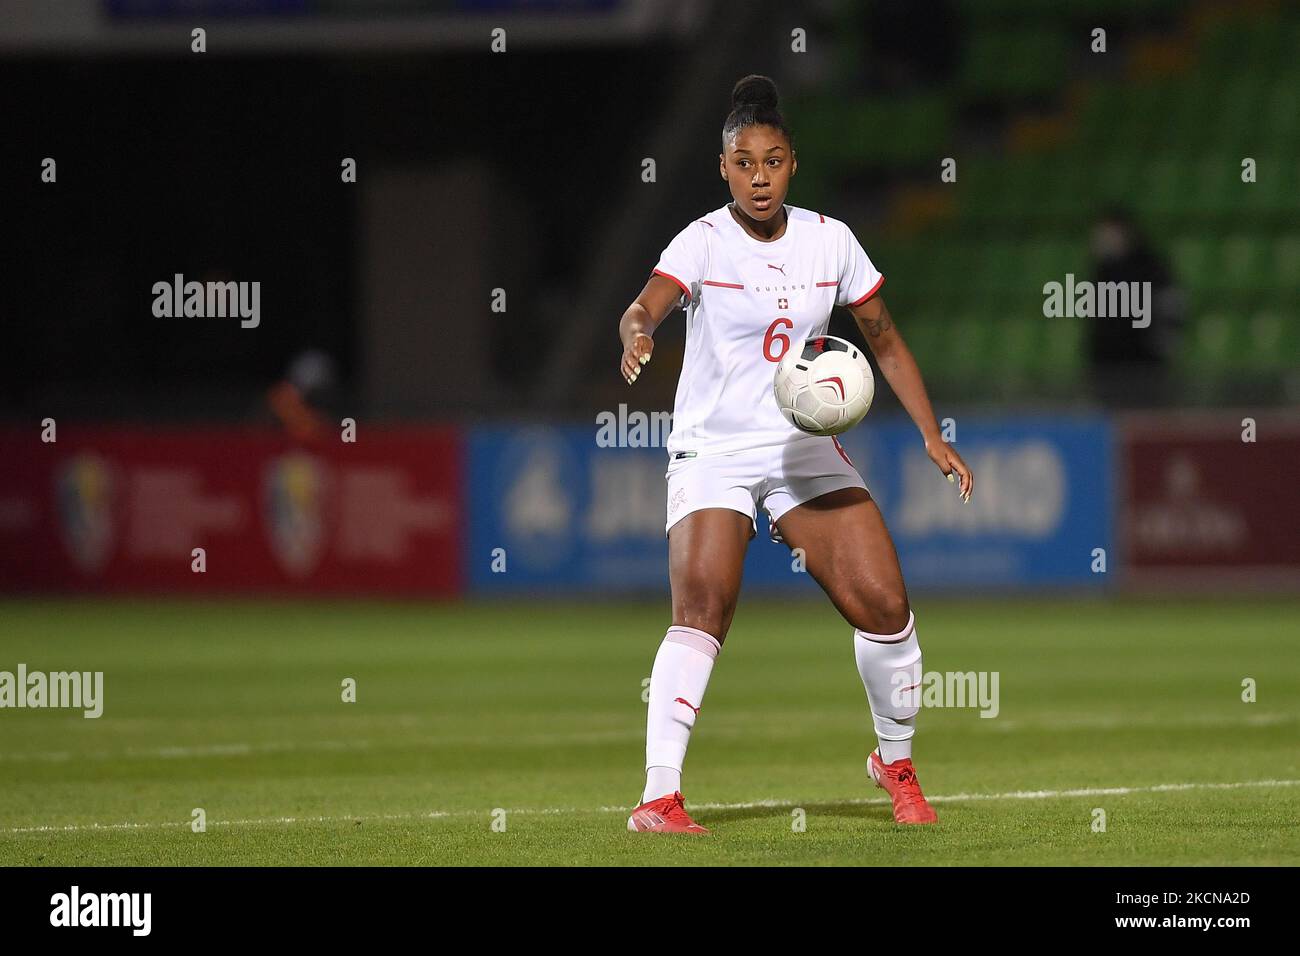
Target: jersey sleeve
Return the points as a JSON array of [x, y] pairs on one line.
[[859, 278], [683, 260]]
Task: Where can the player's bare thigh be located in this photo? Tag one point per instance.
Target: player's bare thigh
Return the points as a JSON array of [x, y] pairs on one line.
[[706, 555], [848, 551]]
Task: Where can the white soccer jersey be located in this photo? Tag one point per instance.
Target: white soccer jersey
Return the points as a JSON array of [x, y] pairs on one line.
[[747, 302]]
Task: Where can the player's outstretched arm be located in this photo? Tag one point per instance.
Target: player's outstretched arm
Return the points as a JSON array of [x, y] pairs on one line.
[[904, 377], [639, 322]]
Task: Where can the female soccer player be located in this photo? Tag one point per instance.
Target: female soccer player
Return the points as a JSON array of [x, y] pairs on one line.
[[757, 277]]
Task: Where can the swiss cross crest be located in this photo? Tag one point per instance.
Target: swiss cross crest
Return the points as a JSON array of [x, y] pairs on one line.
[[783, 303]]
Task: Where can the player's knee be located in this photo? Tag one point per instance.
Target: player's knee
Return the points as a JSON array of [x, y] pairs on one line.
[[707, 613], [894, 611], [884, 612]]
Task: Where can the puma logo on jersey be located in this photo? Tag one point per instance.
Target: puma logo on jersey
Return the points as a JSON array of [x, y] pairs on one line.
[[780, 268]]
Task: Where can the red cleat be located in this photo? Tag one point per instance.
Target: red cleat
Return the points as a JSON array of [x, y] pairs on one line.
[[664, 815], [898, 779]]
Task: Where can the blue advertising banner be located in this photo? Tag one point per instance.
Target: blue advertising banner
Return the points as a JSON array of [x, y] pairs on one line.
[[559, 507], [549, 506], [1043, 501]]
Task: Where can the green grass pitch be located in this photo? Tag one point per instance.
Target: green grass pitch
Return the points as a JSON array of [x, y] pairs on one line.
[[535, 709]]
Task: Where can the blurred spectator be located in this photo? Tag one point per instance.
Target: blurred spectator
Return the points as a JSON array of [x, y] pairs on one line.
[[1132, 366], [308, 389]]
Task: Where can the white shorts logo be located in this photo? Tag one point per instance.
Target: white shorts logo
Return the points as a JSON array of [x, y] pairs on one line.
[[678, 499]]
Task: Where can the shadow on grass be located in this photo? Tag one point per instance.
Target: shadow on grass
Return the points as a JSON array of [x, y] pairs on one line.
[[868, 813]]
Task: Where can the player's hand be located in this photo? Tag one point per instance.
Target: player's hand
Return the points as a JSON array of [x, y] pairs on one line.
[[636, 355], [950, 463]]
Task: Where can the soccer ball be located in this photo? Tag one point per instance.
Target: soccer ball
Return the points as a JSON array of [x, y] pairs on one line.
[[825, 388]]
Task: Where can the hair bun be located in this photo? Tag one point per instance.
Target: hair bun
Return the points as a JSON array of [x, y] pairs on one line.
[[754, 91]]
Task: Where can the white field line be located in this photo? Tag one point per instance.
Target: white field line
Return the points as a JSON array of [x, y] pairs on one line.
[[1136, 721], [1000, 724], [287, 746], [754, 804]]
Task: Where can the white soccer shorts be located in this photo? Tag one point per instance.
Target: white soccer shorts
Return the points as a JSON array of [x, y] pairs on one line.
[[773, 477]]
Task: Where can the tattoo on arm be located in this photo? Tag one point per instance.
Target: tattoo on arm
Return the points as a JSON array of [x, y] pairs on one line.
[[877, 326]]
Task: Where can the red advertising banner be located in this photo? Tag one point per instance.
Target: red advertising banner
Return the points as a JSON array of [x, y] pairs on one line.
[[1211, 497], [119, 510]]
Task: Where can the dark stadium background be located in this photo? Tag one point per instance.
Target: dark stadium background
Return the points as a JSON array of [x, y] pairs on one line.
[[1171, 449]]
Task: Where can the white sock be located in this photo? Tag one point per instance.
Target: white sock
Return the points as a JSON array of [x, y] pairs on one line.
[[661, 781], [677, 682], [890, 667]]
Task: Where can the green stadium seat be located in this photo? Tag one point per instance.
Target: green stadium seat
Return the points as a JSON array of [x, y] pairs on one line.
[[1286, 262], [1217, 189], [1007, 197], [995, 12], [1065, 189], [1018, 191], [1018, 347], [1164, 188], [1266, 342], [1003, 62], [998, 266], [1063, 355], [969, 350], [969, 290], [1241, 264], [1117, 177], [1194, 262], [924, 336], [1208, 346]]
